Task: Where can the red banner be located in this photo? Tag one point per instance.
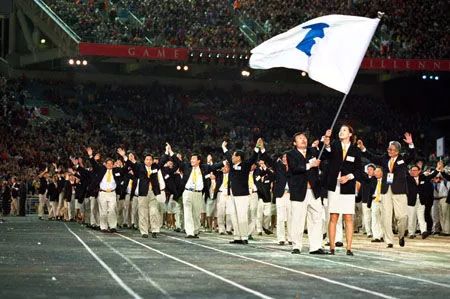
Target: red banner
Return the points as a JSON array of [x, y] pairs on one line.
[[406, 64], [130, 51]]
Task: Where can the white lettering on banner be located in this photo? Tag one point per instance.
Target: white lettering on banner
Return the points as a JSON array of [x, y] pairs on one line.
[[131, 51], [161, 53]]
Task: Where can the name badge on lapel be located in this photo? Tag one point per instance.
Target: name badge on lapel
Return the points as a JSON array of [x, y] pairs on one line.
[[400, 162], [350, 159], [422, 182], [154, 170], [166, 177], [117, 174], [390, 178], [258, 178], [207, 176], [237, 167], [267, 181]]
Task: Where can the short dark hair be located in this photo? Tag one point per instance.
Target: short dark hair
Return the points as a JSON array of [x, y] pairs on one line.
[[109, 159], [239, 153], [372, 166], [416, 166], [148, 155], [298, 134], [199, 157]]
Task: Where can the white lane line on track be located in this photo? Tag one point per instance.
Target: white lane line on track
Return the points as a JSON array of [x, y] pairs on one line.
[[363, 268], [130, 262], [106, 267], [248, 290], [377, 294]]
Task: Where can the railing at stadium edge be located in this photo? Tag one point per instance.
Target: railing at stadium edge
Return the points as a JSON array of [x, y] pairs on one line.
[[58, 20]]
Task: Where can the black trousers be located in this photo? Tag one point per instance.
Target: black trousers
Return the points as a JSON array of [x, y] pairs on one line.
[[22, 203], [428, 218]]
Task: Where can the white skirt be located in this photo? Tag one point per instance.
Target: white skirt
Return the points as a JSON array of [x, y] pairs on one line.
[[341, 203]]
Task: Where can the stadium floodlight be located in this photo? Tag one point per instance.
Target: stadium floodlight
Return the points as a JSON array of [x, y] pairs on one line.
[[43, 41], [246, 56], [431, 77], [245, 73], [218, 56], [78, 62], [71, 61], [201, 54], [424, 77], [436, 78], [192, 54], [186, 68], [209, 55], [85, 62], [178, 67], [228, 56]]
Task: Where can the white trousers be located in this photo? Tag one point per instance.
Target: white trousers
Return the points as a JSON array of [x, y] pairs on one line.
[[94, 217], [135, 211], [367, 219], [43, 201], [60, 204], [253, 213], [398, 204], [53, 209], [263, 215], [240, 217], [284, 218], [444, 215], [377, 228], [416, 213], [222, 219], [309, 211], [107, 203], [148, 213], [192, 205], [230, 210]]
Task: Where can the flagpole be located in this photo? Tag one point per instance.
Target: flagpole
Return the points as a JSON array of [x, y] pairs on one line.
[[380, 16], [334, 122]]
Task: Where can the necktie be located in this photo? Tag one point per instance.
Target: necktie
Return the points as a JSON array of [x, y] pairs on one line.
[[194, 177], [344, 152], [108, 176], [251, 182], [130, 184], [391, 164], [378, 191], [225, 182], [149, 172]]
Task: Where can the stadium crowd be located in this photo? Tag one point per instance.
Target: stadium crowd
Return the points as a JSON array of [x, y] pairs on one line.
[[410, 29], [38, 151]]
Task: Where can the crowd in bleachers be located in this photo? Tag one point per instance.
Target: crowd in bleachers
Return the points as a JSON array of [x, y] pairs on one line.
[[410, 29], [143, 119]]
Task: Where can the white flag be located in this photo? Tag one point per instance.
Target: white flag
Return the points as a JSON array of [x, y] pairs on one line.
[[440, 147], [329, 48]]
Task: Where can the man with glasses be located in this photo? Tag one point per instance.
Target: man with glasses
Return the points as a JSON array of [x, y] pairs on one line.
[[394, 186]]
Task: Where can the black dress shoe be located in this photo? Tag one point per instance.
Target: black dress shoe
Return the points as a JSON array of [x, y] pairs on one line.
[[245, 242], [290, 243], [327, 244], [412, 237], [401, 242], [349, 252], [390, 246], [339, 244], [190, 237], [331, 252], [177, 230], [267, 232], [295, 251], [154, 235], [425, 235], [196, 236], [382, 239], [250, 237], [376, 241], [145, 236], [104, 230], [229, 233], [125, 226], [259, 234], [237, 242], [369, 236], [318, 251], [222, 234], [113, 230], [281, 243]]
